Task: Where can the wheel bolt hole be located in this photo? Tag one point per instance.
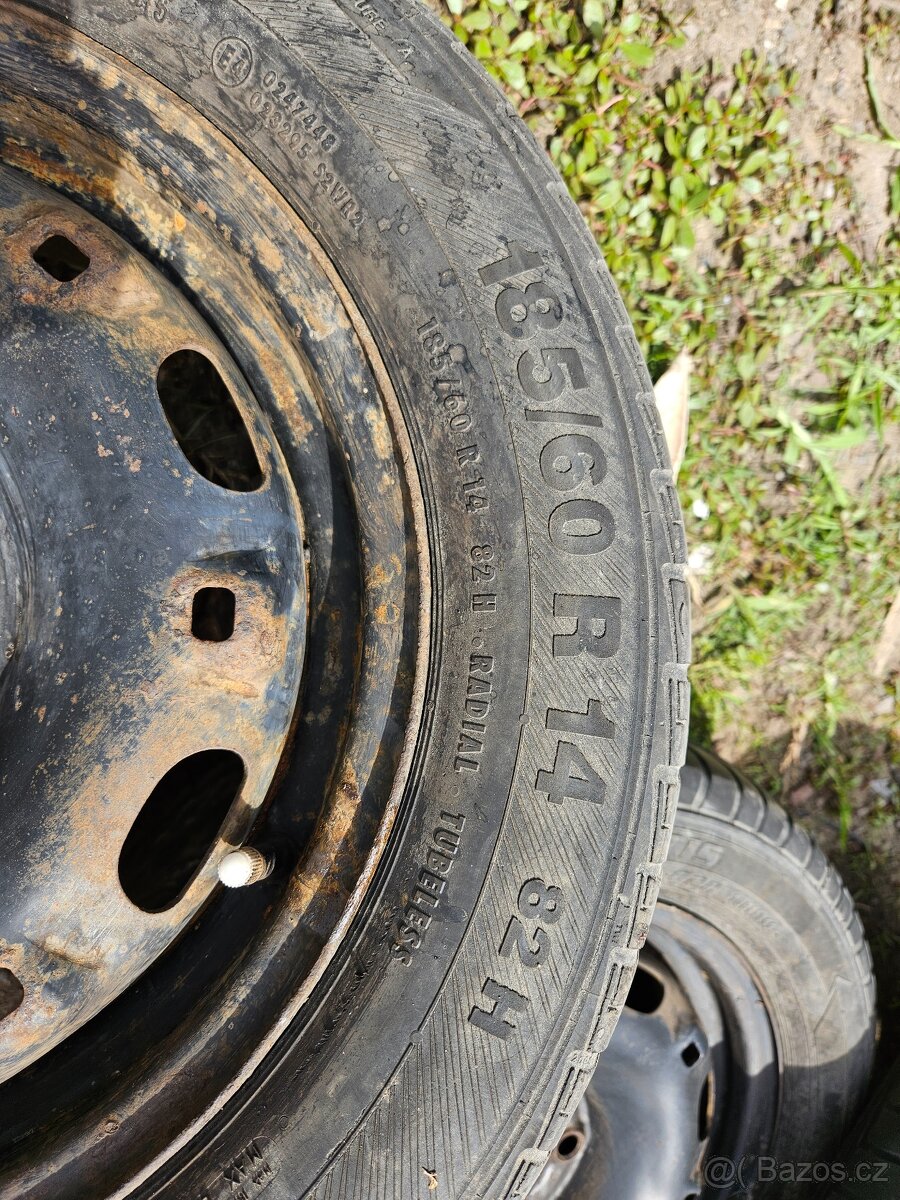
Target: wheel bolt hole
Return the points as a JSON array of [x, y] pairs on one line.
[[569, 1145], [61, 258], [690, 1054], [11, 993], [212, 614], [646, 992]]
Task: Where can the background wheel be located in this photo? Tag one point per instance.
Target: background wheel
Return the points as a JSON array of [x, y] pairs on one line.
[[478, 768], [746, 1042], [870, 1158], [745, 871]]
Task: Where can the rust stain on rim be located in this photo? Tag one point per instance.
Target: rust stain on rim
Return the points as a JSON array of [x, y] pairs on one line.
[[99, 163]]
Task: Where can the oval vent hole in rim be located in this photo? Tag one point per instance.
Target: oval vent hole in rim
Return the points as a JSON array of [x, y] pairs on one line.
[[206, 422], [61, 258], [703, 1110], [212, 614], [11, 993], [177, 827], [646, 992]]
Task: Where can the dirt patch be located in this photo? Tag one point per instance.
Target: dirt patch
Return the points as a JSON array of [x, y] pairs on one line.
[[828, 45]]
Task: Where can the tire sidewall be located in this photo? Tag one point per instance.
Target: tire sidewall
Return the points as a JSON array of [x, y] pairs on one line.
[[385, 1065]]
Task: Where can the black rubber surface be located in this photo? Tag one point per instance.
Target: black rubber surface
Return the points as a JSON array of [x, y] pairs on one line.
[[739, 864], [451, 1039], [868, 1167]]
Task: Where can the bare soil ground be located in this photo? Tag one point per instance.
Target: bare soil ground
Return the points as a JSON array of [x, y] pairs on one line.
[[827, 45]]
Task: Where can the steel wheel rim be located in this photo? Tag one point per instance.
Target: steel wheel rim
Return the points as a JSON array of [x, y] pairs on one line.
[[159, 213], [719, 1057]]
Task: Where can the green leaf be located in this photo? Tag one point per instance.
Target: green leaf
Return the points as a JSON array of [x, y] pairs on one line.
[[745, 365], [638, 53], [846, 439], [587, 156], [587, 73], [697, 142], [776, 122], [514, 74], [697, 199], [477, 19], [684, 237], [851, 257], [661, 274], [523, 41], [667, 235], [817, 452], [672, 141], [610, 196], [677, 190], [747, 415], [594, 16], [598, 174], [774, 602], [755, 161]]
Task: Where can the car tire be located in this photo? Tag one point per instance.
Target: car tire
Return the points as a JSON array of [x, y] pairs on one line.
[[480, 971]]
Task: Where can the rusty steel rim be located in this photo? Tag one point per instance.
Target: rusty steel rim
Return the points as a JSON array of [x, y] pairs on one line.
[[120, 676], [95, 151]]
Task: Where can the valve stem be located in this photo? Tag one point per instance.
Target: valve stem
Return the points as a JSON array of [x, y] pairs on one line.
[[241, 867]]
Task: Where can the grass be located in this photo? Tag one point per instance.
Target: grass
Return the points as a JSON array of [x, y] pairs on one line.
[[724, 242], [720, 239]]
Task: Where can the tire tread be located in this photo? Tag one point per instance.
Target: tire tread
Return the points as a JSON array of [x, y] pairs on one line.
[[711, 787]]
